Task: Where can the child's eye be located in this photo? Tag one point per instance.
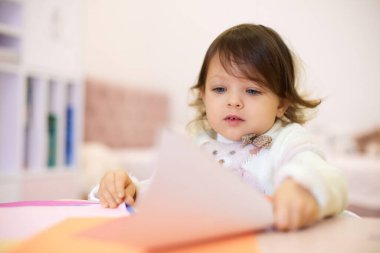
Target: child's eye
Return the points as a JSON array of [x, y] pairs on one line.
[[253, 92], [219, 89]]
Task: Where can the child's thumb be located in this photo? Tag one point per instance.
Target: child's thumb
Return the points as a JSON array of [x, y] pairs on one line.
[[130, 193]]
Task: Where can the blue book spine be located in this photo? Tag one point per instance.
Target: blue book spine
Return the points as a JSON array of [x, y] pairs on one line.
[[69, 147]]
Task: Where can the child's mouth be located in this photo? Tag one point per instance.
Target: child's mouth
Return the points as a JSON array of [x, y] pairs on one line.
[[232, 118]]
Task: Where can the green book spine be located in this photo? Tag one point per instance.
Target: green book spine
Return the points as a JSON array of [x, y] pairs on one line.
[[52, 142]]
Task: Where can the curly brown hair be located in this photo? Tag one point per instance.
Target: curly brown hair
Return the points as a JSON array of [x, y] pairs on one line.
[[254, 49]]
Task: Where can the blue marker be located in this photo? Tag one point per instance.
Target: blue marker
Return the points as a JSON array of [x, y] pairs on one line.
[[129, 208]]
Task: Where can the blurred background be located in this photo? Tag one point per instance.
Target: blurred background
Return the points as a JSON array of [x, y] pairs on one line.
[[161, 45], [86, 85]]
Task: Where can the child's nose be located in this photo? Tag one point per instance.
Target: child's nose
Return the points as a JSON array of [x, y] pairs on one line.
[[235, 101]]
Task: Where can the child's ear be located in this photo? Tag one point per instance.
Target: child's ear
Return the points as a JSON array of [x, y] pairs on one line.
[[282, 107]]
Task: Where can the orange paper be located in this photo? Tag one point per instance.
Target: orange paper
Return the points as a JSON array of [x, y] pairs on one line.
[[64, 237]]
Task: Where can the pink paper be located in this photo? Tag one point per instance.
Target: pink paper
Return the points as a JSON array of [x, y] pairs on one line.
[[190, 199], [20, 220], [47, 203]]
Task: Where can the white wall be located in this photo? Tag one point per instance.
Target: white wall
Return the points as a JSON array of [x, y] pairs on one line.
[[161, 44]]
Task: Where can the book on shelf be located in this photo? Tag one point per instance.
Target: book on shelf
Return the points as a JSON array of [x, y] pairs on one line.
[[28, 121], [69, 138], [33, 126], [52, 126], [52, 140]]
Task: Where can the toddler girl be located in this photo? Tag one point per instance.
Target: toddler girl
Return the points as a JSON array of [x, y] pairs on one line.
[[249, 119]]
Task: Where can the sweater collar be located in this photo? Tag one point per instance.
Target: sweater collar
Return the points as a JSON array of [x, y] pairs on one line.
[[271, 132]]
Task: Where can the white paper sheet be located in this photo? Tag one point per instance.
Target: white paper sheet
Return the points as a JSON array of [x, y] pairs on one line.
[[190, 198]]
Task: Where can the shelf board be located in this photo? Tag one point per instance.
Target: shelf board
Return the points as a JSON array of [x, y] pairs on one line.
[[10, 31], [56, 173], [9, 177], [41, 184], [51, 173], [10, 68]]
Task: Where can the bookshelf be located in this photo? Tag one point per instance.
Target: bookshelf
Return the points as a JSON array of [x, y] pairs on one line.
[[40, 99]]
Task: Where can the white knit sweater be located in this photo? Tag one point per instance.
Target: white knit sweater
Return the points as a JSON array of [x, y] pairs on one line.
[[293, 154]]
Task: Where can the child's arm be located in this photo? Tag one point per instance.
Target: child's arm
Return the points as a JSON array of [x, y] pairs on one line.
[[296, 157], [294, 206], [322, 180], [115, 187], [314, 180]]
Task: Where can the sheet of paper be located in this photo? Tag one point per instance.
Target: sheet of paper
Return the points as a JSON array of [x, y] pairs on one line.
[[47, 203], [20, 220], [63, 238], [190, 198]]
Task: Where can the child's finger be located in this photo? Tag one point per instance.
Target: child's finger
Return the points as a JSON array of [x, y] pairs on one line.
[[297, 217], [121, 181], [101, 196], [106, 190], [311, 213], [281, 217], [130, 192], [103, 202], [109, 199], [114, 185]]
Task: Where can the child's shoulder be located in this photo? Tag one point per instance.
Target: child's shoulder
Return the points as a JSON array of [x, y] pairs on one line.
[[202, 138], [292, 132], [297, 138], [294, 128]]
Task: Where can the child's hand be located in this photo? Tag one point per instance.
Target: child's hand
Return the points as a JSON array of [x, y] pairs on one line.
[[294, 206], [116, 187]]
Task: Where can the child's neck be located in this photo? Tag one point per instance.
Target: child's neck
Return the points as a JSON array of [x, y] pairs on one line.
[[223, 139]]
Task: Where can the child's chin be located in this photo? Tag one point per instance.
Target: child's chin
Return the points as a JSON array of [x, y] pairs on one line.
[[232, 137]]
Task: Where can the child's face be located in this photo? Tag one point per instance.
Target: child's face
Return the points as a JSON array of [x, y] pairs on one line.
[[237, 106]]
